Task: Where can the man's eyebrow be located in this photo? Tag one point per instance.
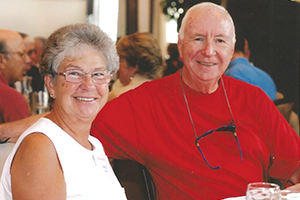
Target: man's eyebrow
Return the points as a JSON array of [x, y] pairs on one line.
[[221, 35], [199, 34]]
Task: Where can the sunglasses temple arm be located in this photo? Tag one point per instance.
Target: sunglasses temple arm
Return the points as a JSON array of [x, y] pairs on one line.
[[205, 158], [205, 134], [237, 141]]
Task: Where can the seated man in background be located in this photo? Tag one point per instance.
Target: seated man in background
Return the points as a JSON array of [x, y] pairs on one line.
[[240, 68], [13, 62], [37, 83]]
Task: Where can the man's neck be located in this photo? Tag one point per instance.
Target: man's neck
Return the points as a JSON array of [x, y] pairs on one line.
[[238, 55], [3, 79]]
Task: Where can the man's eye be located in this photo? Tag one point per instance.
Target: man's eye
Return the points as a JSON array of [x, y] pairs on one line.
[[220, 41], [199, 39]]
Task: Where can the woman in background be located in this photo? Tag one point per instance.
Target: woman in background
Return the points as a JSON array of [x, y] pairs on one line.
[[140, 61]]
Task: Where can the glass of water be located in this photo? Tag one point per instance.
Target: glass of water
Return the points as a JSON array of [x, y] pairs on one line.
[[263, 191]]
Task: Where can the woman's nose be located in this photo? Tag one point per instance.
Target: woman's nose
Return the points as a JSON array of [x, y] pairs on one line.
[[88, 81]]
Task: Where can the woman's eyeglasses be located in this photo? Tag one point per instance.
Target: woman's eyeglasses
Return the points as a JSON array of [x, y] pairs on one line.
[[230, 128], [78, 76]]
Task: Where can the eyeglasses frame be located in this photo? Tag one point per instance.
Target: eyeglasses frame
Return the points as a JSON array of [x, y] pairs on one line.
[[230, 128], [85, 74], [22, 54]]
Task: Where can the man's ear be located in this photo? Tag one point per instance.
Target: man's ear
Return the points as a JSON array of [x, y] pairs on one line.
[[2, 61], [179, 44], [246, 50]]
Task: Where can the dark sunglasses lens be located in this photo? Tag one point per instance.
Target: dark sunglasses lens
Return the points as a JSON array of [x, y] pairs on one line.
[[226, 128]]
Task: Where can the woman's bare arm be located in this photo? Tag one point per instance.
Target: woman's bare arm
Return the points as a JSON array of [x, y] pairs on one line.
[[12, 130], [36, 172]]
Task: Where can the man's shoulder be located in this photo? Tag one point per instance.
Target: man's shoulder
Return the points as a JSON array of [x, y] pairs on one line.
[[6, 90], [239, 66], [232, 82], [10, 94]]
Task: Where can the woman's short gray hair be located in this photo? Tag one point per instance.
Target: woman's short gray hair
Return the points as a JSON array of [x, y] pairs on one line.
[[72, 40]]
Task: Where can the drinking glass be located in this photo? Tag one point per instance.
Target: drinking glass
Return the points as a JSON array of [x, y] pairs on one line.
[[39, 102], [263, 191]]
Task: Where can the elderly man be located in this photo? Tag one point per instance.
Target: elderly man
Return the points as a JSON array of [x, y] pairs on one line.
[[183, 127], [13, 61], [201, 135]]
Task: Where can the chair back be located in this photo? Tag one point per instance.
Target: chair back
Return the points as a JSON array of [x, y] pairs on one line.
[[135, 179]]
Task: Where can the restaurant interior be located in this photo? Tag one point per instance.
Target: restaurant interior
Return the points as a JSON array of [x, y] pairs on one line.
[[272, 27]]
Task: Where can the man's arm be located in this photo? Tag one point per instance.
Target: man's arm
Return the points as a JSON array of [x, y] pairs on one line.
[[295, 181], [12, 130]]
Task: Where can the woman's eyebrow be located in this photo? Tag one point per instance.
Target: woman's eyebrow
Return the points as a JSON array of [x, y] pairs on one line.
[[71, 66]]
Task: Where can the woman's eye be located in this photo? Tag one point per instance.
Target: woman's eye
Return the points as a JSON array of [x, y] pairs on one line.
[[74, 73], [98, 74]]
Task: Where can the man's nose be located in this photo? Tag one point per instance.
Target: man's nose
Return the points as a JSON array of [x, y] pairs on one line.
[[208, 49], [27, 59]]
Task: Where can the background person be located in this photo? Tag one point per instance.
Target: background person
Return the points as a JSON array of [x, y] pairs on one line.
[[37, 83], [140, 61], [56, 158], [240, 68], [39, 43], [173, 62], [13, 66]]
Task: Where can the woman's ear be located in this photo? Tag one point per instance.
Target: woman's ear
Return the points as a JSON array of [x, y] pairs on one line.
[[49, 82]]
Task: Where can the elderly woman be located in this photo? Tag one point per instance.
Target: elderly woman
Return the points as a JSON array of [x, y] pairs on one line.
[[140, 61], [56, 158]]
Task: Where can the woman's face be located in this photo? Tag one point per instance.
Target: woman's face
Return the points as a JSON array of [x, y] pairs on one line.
[[81, 100]]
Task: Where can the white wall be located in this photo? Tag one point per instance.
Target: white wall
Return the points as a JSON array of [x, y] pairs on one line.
[[40, 17], [144, 15]]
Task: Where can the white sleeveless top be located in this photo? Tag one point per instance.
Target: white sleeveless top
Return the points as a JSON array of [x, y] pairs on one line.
[[88, 174]]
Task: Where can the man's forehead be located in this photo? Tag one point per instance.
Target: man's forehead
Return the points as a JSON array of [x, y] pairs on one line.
[[13, 40], [215, 21], [15, 45]]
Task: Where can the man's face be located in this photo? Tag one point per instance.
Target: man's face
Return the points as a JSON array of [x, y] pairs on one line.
[[31, 51], [207, 45], [15, 62], [39, 46]]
